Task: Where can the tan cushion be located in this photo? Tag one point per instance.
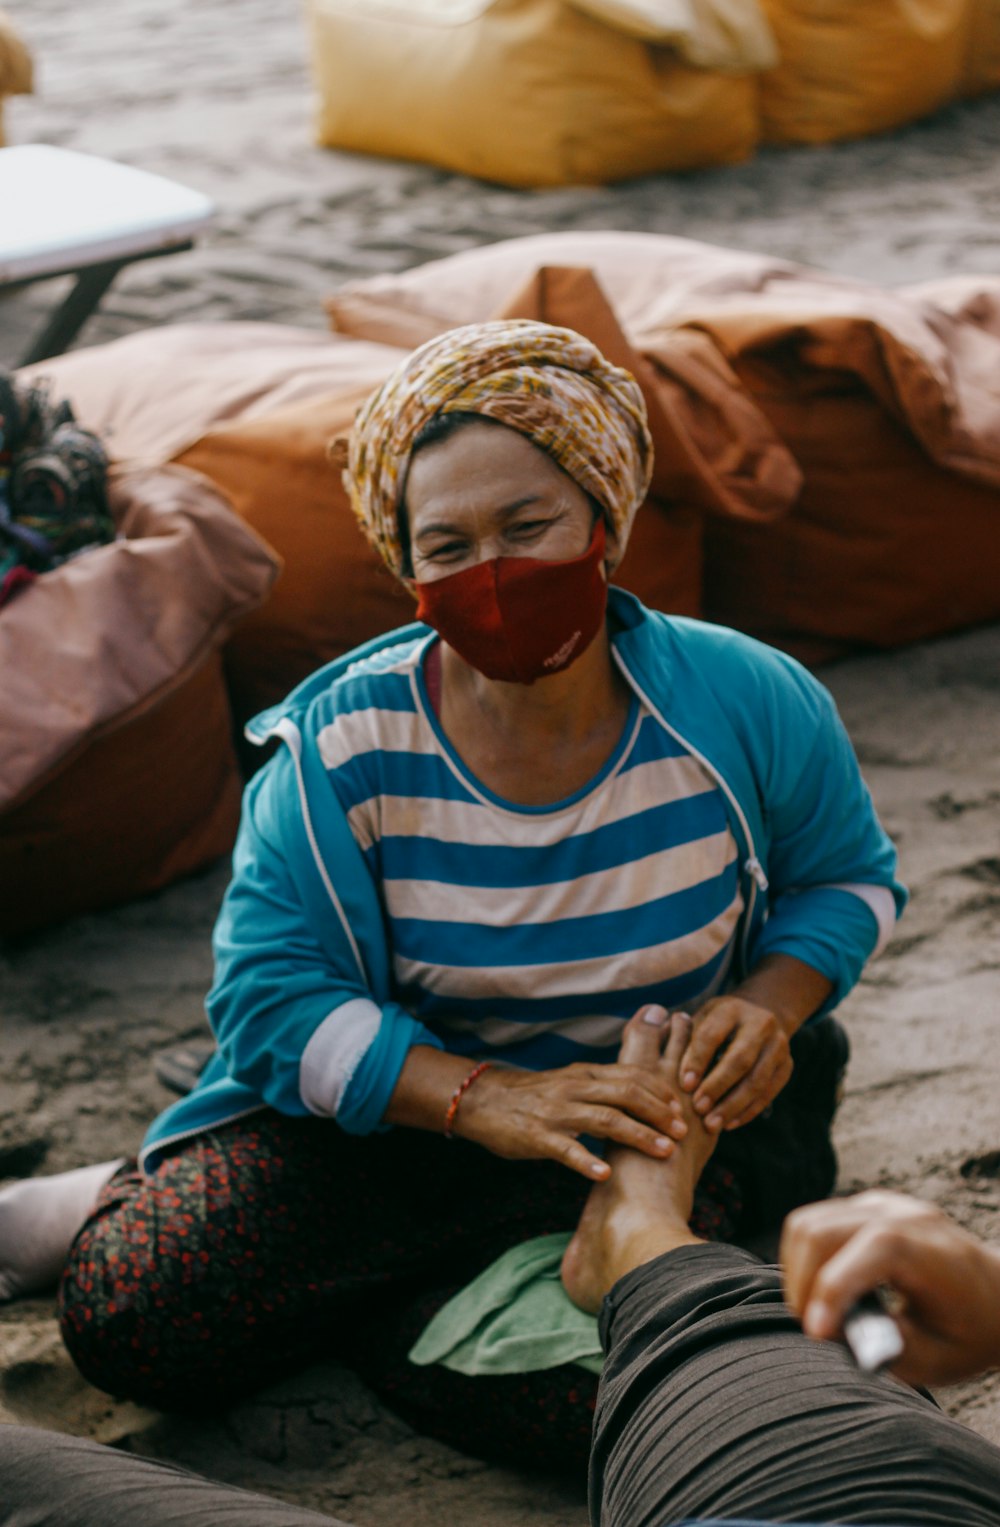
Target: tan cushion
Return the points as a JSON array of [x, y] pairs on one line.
[[528, 92], [853, 67], [884, 402], [638, 273], [887, 402], [153, 393], [933, 365]]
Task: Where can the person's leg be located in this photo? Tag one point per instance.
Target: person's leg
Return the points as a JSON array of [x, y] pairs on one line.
[[540, 1419], [713, 1404], [50, 1480], [270, 1242], [253, 1249]]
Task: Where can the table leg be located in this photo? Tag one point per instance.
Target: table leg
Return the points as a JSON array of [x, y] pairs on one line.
[[69, 318]]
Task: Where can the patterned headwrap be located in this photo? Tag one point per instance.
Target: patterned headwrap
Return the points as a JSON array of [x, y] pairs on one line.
[[550, 384]]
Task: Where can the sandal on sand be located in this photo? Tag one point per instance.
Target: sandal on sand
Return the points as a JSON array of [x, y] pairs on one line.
[[180, 1067]]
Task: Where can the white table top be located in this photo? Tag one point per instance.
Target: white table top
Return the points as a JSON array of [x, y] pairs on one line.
[[62, 210]]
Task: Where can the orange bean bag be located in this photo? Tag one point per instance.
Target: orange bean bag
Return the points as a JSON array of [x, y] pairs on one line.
[[981, 67], [883, 547], [333, 592]]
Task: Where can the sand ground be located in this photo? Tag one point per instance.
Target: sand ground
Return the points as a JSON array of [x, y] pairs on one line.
[[219, 97]]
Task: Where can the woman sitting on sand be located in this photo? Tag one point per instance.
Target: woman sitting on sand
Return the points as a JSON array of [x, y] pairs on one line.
[[485, 843]]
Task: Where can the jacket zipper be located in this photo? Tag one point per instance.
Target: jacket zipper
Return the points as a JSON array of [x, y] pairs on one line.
[[752, 868]]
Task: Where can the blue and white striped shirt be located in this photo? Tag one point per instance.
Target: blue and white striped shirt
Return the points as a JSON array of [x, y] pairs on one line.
[[532, 933]]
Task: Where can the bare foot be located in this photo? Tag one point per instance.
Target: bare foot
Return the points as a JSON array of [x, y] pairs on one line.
[[643, 1208]]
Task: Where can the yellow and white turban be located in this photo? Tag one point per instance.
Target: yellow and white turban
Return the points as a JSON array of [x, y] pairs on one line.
[[550, 384]]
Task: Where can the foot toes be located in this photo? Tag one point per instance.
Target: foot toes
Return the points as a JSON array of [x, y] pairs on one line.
[[642, 1037], [677, 1040]]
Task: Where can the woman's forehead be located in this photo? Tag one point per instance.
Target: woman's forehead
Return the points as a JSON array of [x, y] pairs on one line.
[[481, 469]]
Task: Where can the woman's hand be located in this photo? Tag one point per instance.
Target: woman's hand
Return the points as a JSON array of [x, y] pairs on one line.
[[539, 1114], [751, 1064], [738, 1058], [949, 1283]]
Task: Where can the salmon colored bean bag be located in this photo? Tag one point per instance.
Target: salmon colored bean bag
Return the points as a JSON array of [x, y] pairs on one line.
[[117, 769]]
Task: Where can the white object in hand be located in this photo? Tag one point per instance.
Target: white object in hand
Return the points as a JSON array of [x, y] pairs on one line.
[[872, 1335]]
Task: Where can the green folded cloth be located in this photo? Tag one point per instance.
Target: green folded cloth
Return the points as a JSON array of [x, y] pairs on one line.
[[516, 1317]]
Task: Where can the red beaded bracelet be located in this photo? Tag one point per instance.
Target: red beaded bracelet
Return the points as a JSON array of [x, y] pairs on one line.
[[459, 1094]]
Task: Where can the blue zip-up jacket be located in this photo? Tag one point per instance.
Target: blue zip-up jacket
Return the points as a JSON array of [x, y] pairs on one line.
[[302, 1004]]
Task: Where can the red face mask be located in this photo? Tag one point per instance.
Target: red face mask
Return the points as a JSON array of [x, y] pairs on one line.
[[517, 618]]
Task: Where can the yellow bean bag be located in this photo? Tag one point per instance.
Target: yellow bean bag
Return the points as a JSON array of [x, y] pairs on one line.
[[550, 92], [16, 72], [541, 92], [856, 67]]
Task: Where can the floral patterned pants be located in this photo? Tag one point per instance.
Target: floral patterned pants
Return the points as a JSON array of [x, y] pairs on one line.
[[272, 1242]]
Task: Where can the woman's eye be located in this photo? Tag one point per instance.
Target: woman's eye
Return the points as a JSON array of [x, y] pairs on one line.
[[525, 529], [446, 551]]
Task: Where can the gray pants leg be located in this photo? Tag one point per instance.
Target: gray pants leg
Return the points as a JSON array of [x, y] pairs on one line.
[[713, 1405], [50, 1480]]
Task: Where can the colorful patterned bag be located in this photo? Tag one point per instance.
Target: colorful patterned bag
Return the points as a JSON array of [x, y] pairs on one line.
[[53, 486]]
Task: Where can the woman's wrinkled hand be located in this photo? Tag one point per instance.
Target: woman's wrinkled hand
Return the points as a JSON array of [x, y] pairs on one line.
[[541, 1114], [948, 1283], [737, 1061]]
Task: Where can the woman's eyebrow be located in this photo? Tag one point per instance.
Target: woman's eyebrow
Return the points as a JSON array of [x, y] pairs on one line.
[[503, 512]]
